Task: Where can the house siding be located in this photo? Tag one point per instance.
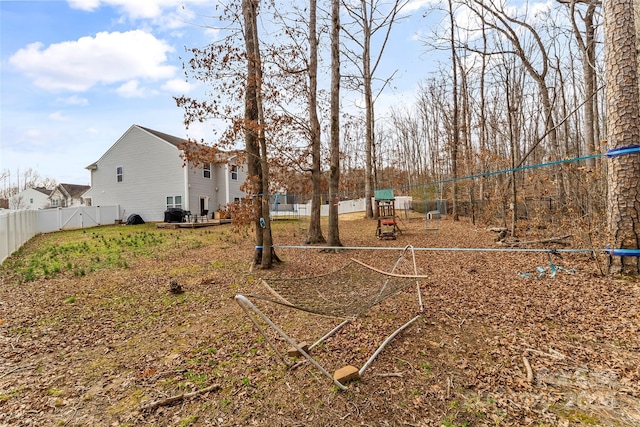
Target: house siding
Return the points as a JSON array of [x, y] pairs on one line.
[[202, 188], [226, 183], [152, 170], [235, 184], [220, 194], [23, 199], [62, 201]]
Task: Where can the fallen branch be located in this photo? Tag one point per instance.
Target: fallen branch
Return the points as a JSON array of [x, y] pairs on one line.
[[559, 240], [527, 366], [552, 353], [557, 354], [391, 374], [497, 229], [172, 399], [13, 371]]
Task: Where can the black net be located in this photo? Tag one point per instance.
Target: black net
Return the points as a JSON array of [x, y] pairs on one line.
[[345, 293]]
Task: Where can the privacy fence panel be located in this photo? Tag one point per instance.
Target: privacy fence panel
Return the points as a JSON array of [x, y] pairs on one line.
[[17, 227]]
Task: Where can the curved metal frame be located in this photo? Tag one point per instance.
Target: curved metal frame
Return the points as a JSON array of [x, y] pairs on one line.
[[253, 313]]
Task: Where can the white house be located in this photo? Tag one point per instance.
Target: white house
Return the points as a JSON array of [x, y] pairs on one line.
[[68, 196], [144, 173], [31, 198]]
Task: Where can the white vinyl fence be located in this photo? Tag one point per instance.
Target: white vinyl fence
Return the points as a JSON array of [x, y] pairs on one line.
[[73, 218], [17, 227], [344, 207]]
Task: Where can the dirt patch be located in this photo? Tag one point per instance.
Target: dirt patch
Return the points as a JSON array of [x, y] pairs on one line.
[[92, 346]]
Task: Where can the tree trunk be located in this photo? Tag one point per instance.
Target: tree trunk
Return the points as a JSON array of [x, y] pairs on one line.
[[588, 49], [623, 130], [254, 85], [512, 145], [588, 64], [252, 146], [314, 234], [455, 126], [334, 177], [369, 184]]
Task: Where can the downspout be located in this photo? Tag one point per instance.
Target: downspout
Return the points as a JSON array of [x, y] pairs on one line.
[[227, 179], [186, 205]]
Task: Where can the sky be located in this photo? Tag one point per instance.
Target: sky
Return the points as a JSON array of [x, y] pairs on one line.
[[76, 74]]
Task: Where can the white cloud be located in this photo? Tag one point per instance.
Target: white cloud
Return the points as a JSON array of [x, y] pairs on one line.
[[87, 5], [132, 8], [29, 140], [73, 100], [414, 5], [131, 89], [177, 87], [106, 58], [58, 116], [136, 9]]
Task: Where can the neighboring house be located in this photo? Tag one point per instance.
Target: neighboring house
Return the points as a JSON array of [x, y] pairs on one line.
[[31, 198], [68, 195], [144, 173]]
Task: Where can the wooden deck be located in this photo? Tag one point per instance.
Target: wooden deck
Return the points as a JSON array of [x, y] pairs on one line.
[[199, 224]]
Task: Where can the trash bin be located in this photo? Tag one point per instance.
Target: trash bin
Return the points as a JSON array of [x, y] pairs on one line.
[[174, 215]]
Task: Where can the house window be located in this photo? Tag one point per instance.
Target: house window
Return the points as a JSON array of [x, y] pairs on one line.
[[174, 202], [119, 174], [207, 171], [31, 201], [55, 202], [234, 172], [236, 200]]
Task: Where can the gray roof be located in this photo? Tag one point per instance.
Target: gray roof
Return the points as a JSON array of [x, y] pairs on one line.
[[43, 190], [221, 156], [73, 190], [169, 138]]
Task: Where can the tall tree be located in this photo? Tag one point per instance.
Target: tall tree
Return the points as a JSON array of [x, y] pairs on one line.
[[334, 173], [232, 69], [455, 120], [587, 42], [314, 234], [623, 115], [496, 17], [255, 121], [370, 17], [252, 144]]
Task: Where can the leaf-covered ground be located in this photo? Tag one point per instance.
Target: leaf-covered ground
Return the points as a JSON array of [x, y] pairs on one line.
[[90, 334]]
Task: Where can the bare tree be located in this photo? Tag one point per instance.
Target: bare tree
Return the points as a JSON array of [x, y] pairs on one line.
[[314, 234], [255, 119], [17, 202], [334, 174], [370, 17], [514, 29], [587, 43], [455, 119], [233, 70]]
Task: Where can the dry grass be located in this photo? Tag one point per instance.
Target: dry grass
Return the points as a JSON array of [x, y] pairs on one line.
[[93, 348]]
